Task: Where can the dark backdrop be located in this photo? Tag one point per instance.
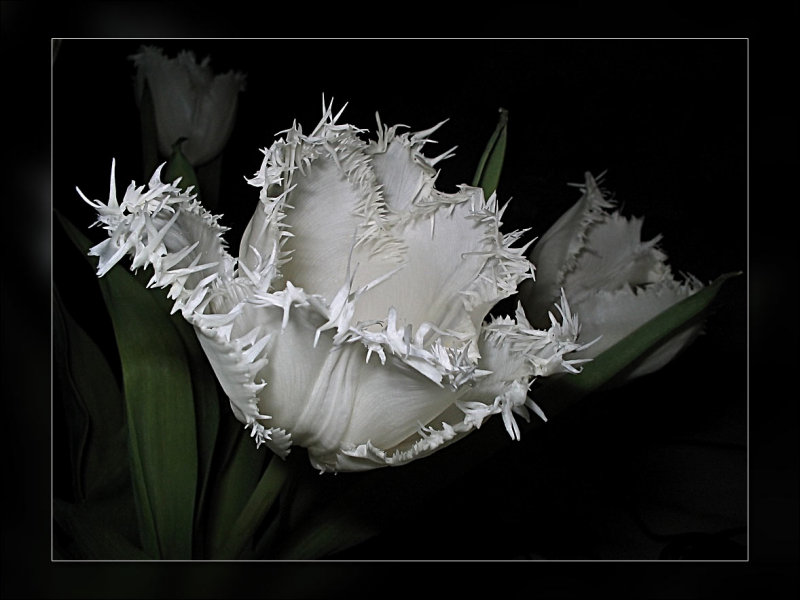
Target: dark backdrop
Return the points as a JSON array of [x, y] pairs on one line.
[[668, 120]]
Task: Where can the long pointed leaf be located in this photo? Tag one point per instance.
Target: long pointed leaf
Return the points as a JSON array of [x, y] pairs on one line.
[[325, 537], [487, 175], [242, 534], [160, 411], [93, 404], [207, 404], [207, 412], [240, 469]]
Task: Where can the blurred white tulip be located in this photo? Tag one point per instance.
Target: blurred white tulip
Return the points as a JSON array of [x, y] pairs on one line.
[[189, 101], [614, 281]]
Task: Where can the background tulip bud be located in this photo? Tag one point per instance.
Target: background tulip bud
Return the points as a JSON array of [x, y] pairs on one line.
[[189, 101], [614, 281]]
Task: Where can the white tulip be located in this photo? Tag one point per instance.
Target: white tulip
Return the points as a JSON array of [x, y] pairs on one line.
[[189, 102], [615, 281], [352, 322]]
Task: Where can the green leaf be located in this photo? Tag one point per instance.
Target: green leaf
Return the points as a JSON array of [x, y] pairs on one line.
[[207, 404], [487, 175], [94, 409], [207, 412], [239, 470], [160, 411], [242, 535], [326, 536]]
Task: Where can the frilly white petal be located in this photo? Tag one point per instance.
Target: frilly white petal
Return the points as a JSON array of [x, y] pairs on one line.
[[164, 227], [321, 209]]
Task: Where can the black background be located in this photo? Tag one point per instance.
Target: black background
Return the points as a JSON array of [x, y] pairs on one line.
[[668, 119]]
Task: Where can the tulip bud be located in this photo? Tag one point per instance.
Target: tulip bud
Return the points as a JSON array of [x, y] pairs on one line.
[[614, 281], [189, 101]]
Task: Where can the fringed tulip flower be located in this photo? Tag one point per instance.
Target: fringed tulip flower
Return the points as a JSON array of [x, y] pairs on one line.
[[615, 281], [352, 322], [189, 101]]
